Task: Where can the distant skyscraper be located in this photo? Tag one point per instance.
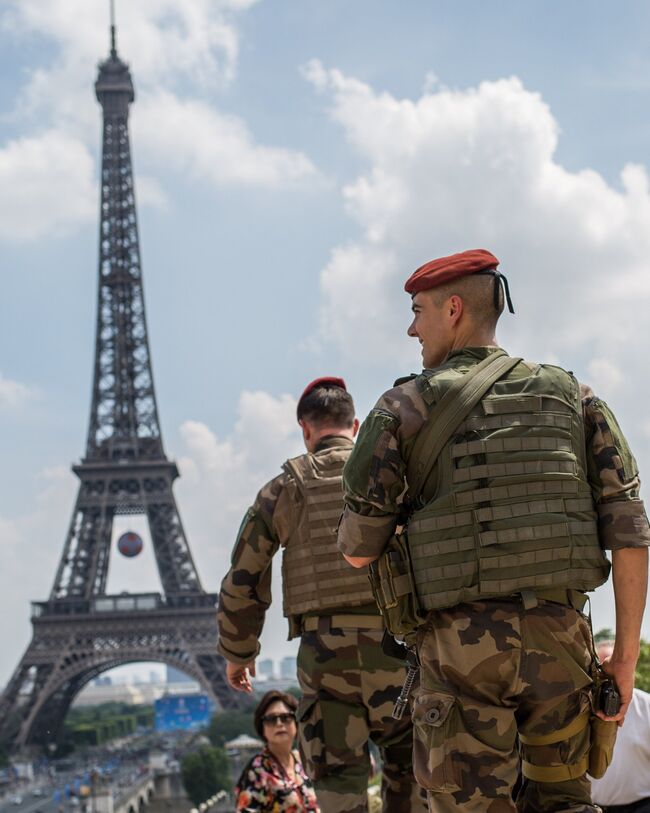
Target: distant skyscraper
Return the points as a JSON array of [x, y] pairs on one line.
[[176, 676], [266, 668], [288, 668]]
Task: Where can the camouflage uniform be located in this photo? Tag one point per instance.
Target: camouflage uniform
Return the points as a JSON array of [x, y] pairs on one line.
[[348, 684], [492, 668]]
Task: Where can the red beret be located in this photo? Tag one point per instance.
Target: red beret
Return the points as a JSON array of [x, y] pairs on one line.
[[326, 380], [444, 269]]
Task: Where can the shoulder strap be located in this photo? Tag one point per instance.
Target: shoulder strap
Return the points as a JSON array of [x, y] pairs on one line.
[[294, 467], [302, 470], [450, 411]]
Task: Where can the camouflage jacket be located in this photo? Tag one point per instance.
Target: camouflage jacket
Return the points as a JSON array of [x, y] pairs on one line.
[[245, 593], [374, 476]]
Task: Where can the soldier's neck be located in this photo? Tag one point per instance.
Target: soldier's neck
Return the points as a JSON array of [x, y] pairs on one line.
[[316, 436], [473, 337]]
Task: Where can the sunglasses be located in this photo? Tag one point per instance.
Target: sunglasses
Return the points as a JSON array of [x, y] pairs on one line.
[[274, 719]]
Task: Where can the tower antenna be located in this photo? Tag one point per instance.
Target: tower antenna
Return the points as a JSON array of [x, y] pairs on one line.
[[113, 48]]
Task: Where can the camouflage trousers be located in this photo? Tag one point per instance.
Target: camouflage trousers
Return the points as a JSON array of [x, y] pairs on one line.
[[349, 686], [492, 670]]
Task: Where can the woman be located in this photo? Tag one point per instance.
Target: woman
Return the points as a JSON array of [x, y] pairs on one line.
[[274, 780]]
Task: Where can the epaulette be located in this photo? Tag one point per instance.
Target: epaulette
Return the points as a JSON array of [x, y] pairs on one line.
[[405, 379]]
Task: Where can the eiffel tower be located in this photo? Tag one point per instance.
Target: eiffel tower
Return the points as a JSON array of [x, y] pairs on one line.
[[81, 631]]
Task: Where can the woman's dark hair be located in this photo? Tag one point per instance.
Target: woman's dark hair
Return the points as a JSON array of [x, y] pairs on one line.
[[269, 698]]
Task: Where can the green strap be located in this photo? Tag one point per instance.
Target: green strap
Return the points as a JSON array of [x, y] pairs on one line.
[[450, 411], [554, 773], [575, 727]]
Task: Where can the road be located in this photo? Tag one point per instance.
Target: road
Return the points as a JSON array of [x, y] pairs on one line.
[[56, 800]]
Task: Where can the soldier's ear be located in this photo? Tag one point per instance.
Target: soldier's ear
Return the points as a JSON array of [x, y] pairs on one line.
[[355, 427], [306, 430]]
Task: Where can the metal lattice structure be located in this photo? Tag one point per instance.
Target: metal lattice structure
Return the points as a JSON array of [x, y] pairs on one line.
[[81, 631]]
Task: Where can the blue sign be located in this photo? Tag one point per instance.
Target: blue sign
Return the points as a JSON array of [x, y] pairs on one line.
[[186, 712]]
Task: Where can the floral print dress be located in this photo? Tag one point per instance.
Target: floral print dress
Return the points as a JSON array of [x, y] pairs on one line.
[[266, 787]]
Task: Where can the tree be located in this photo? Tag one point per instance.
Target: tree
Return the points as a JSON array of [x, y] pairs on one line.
[[642, 680], [227, 725], [643, 668], [205, 772]]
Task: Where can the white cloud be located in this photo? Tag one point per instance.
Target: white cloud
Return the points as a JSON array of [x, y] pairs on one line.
[[179, 53], [221, 476], [194, 138], [456, 169], [220, 479], [604, 377], [197, 39], [13, 394], [47, 185], [150, 192]]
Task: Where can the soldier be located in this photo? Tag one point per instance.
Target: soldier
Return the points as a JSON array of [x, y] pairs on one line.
[[348, 684], [518, 478]]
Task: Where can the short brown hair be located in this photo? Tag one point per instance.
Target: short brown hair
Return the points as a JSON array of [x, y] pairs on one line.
[[267, 700], [327, 405], [477, 293]]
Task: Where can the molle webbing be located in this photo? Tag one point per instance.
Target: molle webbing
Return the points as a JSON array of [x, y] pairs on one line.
[[519, 469], [509, 504], [315, 576]]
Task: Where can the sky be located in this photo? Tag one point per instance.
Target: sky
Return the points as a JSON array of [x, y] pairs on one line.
[[294, 162]]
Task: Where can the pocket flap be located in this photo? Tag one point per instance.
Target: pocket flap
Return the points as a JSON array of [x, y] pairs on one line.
[[432, 707], [305, 705]]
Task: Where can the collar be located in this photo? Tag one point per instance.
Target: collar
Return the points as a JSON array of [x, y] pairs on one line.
[[333, 442], [478, 353]]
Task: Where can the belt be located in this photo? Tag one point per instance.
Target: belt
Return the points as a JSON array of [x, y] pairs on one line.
[[324, 623], [570, 598]]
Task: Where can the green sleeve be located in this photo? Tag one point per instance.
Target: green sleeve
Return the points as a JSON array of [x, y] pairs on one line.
[[373, 482], [245, 593], [614, 479]]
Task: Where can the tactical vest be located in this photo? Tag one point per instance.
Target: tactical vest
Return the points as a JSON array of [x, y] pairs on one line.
[[509, 505], [315, 576]]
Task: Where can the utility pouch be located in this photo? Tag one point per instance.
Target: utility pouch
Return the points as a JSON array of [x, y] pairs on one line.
[[391, 579], [601, 750]]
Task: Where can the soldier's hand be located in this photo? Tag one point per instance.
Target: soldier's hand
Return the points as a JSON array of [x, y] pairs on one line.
[[622, 673], [239, 675]]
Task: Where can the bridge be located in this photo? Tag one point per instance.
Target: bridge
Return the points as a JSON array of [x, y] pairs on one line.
[[132, 799]]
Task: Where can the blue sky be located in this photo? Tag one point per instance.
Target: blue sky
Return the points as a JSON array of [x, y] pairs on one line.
[[294, 162]]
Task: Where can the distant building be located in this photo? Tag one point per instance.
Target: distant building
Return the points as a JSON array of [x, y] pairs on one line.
[[266, 668], [185, 712], [288, 670], [176, 676], [93, 695]]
